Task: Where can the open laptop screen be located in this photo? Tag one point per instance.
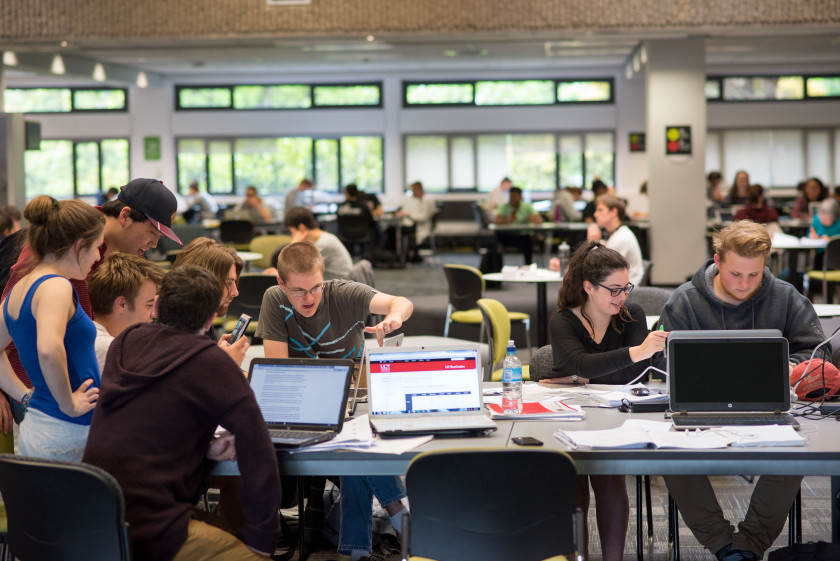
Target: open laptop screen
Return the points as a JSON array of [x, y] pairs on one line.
[[728, 373], [301, 391], [424, 381]]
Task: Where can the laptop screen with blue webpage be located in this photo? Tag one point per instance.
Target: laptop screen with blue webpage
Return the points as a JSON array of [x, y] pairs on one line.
[[442, 380], [301, 393]]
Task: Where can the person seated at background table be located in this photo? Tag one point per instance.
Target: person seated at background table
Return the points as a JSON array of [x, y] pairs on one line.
[[166, 389], [738, 192], [598, 188], [303, 226], [735, 290], [714, 188], [563, 205], [496, 198], [812, 192], [9, 220], [122, 293], [260, 211], [373, 203], [108, 195], [299, 196], [516, 211], [757, 208], [200, 205], [639, 203], [609, 215], [355, 204], [308, 317], [419, 209], [595, 336]]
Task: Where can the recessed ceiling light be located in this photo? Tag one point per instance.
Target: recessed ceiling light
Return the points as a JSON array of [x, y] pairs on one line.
[[142, 80], [99, 72], [57, 66], [370, 38], [63, 44], [10, 58]]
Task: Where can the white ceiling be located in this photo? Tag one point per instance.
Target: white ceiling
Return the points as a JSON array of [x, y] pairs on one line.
[[218, 58]]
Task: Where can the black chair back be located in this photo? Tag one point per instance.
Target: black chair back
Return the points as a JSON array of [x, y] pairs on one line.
[[460, 510], [62, 511], [252, 286], [236, 231], [465, 286]]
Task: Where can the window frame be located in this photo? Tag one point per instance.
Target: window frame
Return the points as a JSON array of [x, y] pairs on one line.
[[72, 90], [719, 78], [310, 85], [473, 83]]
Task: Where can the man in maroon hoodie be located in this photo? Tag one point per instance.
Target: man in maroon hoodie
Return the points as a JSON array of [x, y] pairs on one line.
[[165, 389]]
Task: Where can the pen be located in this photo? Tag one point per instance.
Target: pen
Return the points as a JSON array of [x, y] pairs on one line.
[[665, 345]]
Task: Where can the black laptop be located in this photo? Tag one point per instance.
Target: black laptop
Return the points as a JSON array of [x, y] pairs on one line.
[[735, 377], [302, 400]]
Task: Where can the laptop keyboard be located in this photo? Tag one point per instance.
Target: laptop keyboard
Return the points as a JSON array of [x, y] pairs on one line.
[[720, 420], [290, 434]]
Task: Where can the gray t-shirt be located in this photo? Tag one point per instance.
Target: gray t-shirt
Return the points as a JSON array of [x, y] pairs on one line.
[[335, 331], [337, 260]]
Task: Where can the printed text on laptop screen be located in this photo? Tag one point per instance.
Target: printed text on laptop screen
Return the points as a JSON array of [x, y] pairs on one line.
[[301, 394]]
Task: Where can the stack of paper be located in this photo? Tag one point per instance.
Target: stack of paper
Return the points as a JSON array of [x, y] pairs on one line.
[[357, 435], [552, 409]]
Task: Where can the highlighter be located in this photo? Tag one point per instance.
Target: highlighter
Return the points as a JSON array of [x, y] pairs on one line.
[[665, 345]]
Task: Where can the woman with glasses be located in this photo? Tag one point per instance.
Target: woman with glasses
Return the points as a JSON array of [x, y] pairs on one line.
[[594, 336]]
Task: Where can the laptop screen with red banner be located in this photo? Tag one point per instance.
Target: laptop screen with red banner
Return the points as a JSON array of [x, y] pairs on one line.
[[424, 380]]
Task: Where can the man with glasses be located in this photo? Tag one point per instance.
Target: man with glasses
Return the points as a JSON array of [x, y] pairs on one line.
[[306, 317], [735, 290]]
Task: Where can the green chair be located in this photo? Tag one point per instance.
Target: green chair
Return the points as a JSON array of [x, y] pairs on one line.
[[466, 286], [497, 324], [830, 272], [266, 246]]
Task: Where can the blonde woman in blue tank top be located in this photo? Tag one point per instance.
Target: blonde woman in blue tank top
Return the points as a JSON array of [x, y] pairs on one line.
[[52, 333]]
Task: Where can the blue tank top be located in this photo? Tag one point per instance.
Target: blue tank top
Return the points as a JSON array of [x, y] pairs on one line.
[[79, 340]]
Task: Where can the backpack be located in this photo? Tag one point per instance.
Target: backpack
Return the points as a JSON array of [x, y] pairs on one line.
[[820, 551]]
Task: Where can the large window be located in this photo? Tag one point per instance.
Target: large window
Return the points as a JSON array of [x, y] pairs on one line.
[[276, 164], [772, 88], [64, 100], [74, 168], [278, 96], [507, 92], [775, 158], [533, 161]]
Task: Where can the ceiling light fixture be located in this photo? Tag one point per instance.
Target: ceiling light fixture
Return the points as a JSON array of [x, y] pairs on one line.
[[63, 44], [57, 66], [10, 58], [142, 80], [637, 63], [628, 71], [643, 53], [99, 72], [370, 38]]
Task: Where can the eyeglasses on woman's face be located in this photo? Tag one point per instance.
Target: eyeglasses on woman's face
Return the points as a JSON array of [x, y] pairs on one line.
[[616, 291]]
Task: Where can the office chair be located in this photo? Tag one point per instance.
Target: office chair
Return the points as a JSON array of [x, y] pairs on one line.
[[237, 233], [266, 246], [62, 511], [460, 510], [356, 232], [497, 324], [252, 286], [830, 272], [466, 286]]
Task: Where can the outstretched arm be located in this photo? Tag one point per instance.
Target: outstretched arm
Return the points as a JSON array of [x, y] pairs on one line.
[[397, 309]]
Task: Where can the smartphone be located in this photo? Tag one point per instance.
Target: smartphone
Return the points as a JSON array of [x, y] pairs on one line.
[[527, 441], [239, 329]]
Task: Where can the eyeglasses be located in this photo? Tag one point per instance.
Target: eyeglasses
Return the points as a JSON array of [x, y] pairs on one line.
[[301, 292], [616, 291]]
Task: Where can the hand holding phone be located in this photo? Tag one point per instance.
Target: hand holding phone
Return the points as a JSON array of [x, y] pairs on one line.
[[527, 441], [239, 329]]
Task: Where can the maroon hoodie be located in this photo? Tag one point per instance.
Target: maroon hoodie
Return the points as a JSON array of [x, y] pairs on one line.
[[163, 393]]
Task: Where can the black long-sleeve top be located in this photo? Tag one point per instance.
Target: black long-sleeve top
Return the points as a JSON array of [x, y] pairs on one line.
[[607, 362]]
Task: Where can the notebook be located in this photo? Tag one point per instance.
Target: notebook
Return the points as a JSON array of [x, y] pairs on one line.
[[735, 377], [302, 399], [426, 390]]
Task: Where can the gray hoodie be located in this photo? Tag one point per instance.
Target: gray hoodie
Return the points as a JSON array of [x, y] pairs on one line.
[[776, 305]]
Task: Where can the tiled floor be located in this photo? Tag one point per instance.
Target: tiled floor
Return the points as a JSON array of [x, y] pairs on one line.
[[733, 494]]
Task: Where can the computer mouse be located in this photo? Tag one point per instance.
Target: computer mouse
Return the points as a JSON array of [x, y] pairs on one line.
[[640, 391]]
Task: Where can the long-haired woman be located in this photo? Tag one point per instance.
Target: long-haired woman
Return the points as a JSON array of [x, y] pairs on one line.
[[595, 336], [53, 335]]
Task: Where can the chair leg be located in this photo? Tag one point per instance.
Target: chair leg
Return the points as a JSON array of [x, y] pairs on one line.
[[795, 520], [673, 528], [640, 550], [448, 321]]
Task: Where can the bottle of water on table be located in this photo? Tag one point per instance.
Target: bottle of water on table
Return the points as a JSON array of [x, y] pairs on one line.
[[563, 255], [511, 381]]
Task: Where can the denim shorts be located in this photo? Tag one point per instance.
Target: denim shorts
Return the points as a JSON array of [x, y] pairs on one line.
[[43, 436]]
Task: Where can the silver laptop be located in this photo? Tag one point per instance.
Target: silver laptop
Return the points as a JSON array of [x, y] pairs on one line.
[[302, 399], [735, 377], [426, 390]]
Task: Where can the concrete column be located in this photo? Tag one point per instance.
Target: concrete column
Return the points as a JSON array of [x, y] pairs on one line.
[[675, 75]]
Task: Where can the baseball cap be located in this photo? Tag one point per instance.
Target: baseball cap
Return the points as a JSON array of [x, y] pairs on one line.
[[811, 387], [155, 200]]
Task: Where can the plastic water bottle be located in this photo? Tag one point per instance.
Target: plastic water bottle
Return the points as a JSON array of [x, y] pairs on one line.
[[511, 381], [563, 254]]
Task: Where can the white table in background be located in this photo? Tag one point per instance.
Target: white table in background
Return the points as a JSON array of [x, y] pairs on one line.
[[540, 277]]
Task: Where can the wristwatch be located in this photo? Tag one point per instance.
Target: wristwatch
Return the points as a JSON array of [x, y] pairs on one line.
[[575, 379]]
